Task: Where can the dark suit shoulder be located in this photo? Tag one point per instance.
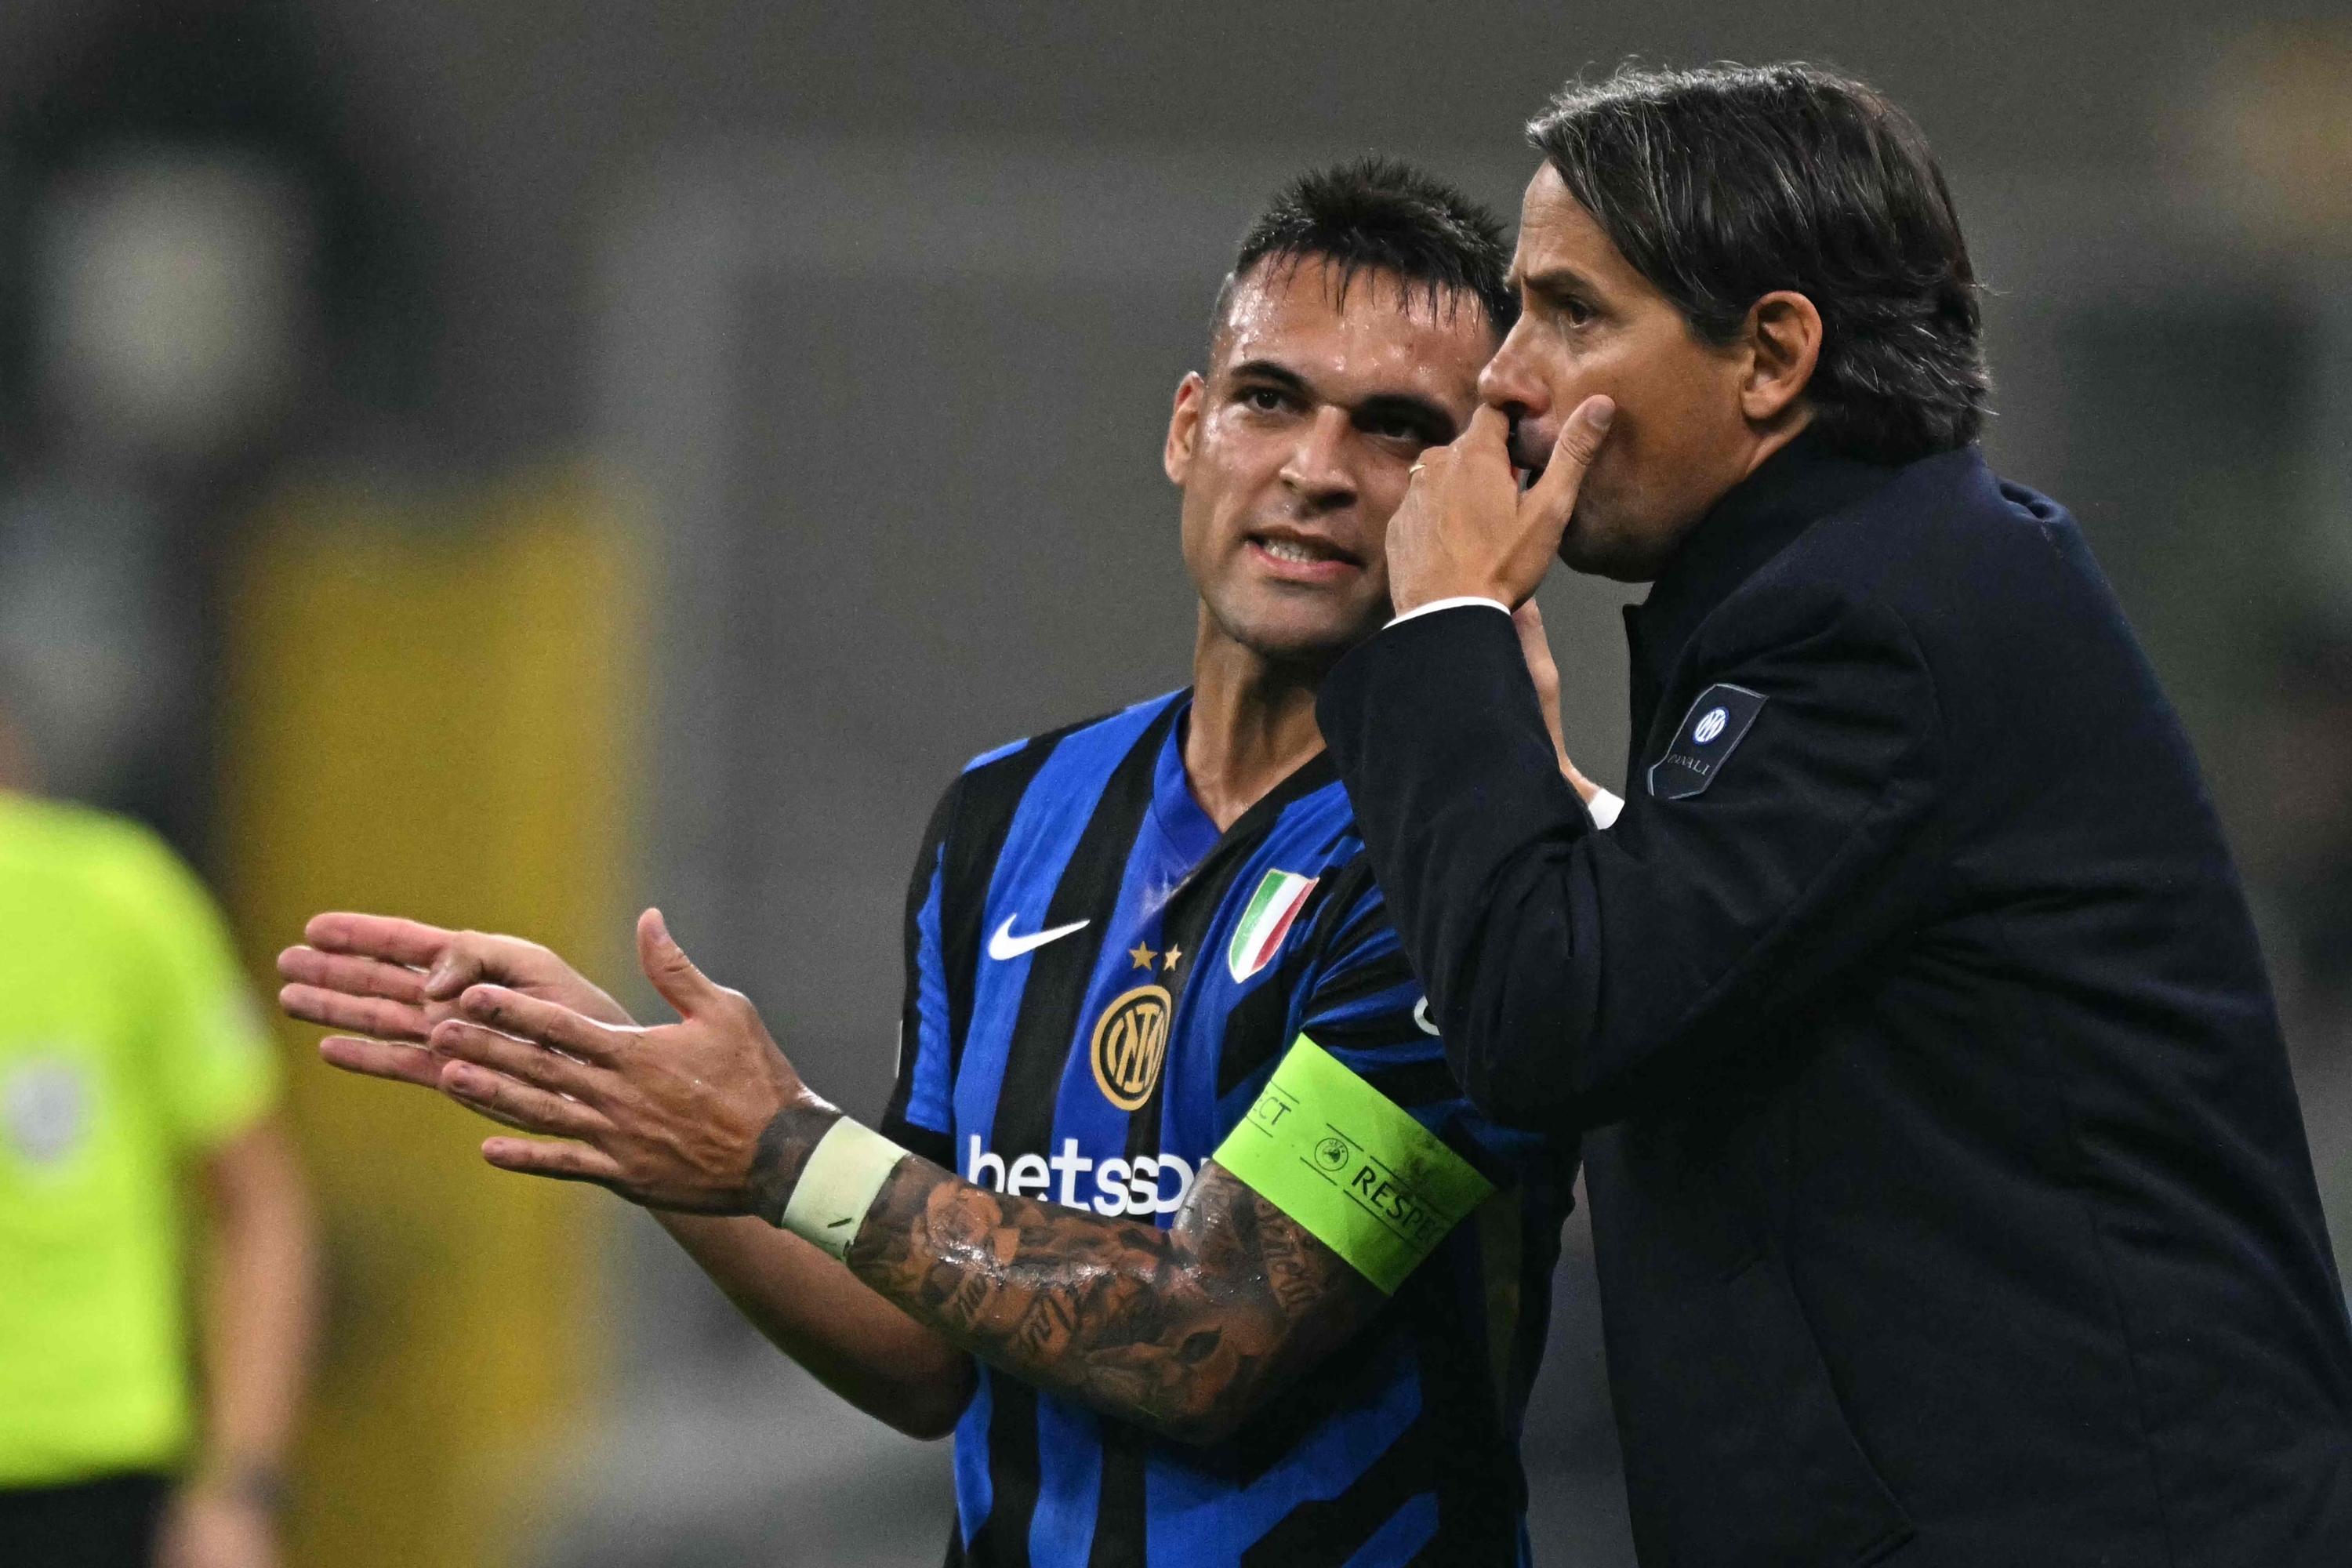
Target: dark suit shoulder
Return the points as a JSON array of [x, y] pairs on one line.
[[1940, 535], [2028, 648], [1955, 553]]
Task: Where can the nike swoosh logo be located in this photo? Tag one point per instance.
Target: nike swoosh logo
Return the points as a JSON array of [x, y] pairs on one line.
[[1420, 1016], [1004, 944]]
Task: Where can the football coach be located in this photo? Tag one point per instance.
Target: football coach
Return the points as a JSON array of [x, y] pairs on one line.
[[1951, 1201]]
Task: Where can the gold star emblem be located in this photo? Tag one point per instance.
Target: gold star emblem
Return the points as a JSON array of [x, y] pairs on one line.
[[1142, 955], [1173, 954]]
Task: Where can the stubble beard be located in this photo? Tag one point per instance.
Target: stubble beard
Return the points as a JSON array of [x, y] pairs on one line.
[[1285, 647]]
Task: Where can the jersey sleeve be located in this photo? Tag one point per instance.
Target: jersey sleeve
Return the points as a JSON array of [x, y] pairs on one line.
[[214, 1062], [1364, 1005], [1360, 1134], [917, 1115], [1367, 1009]]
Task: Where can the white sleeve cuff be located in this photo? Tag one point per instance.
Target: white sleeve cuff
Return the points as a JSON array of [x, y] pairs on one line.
[[1603, 809], [1436, 604]]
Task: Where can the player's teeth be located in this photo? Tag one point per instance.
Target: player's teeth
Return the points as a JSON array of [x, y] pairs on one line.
[[1283, 549]]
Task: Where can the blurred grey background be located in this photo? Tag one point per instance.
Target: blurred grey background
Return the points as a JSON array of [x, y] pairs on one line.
[[867, 320]]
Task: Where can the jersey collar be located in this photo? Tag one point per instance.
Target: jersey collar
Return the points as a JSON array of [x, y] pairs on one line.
[[1316, 773]]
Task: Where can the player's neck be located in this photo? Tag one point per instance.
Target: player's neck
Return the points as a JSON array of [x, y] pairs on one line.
[[1253, 725]]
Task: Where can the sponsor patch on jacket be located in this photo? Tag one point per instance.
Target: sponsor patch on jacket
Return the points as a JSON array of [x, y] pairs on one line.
[[1710, 732]]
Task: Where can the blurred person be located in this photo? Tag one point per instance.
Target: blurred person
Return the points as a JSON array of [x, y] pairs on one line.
[[1141, 953], [136, 1083], [213, 276], [1949, 1196], [167, 296]]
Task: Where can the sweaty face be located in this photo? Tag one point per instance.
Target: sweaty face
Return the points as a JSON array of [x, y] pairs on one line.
[[1296, 446], [1590, 323]]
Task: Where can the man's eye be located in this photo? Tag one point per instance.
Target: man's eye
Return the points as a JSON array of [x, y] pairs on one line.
[[1264, 399]]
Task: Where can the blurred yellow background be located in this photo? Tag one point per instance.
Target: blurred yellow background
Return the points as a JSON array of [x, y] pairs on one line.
[[432, 712]]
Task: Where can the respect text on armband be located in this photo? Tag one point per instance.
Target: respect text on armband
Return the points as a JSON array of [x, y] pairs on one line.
[[1338, 1158]]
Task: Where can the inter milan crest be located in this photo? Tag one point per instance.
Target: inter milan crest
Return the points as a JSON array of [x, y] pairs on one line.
[[1131, 1042], [1710, 732]]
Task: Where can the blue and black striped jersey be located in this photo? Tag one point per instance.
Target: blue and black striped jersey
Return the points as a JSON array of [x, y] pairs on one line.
[[1099, 984]]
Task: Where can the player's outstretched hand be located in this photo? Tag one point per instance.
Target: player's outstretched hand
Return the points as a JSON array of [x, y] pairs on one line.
[[670, 1117], [393, 980], [1466, 531]]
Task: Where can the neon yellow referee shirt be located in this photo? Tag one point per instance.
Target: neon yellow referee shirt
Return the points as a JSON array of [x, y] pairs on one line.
[[128, 1044]]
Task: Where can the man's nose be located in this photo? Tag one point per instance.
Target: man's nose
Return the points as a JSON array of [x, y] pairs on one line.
[[1318, 468], [1510, 381]]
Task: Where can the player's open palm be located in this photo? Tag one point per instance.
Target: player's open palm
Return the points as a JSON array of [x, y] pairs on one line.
[[670, 1117], [393, 980]]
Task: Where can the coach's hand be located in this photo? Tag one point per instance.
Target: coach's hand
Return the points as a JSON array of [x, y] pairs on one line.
[[1536, 649], [670, 1117], [1465, 530]]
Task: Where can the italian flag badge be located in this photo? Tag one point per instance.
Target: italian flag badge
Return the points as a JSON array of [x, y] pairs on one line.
[[1272, 909]]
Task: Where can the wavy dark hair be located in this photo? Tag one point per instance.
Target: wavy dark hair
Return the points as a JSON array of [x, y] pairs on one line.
[[1723, 184], [1383, 215]]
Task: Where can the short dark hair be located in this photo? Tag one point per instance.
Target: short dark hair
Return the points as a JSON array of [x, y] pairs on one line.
[[1721, 186], [1382, 215]]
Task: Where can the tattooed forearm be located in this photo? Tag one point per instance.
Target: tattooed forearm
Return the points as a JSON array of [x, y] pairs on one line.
[[786, 1144], [1291, 1274], [1185, 1331]]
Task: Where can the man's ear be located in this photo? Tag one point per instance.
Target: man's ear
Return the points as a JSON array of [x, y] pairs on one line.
[[1784, 343], [1183, 427]]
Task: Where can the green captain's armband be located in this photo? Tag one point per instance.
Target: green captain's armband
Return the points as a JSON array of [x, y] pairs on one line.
[[1339, 1157]]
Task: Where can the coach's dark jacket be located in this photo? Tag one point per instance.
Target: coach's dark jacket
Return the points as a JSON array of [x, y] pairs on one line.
[[1951, 1200]]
